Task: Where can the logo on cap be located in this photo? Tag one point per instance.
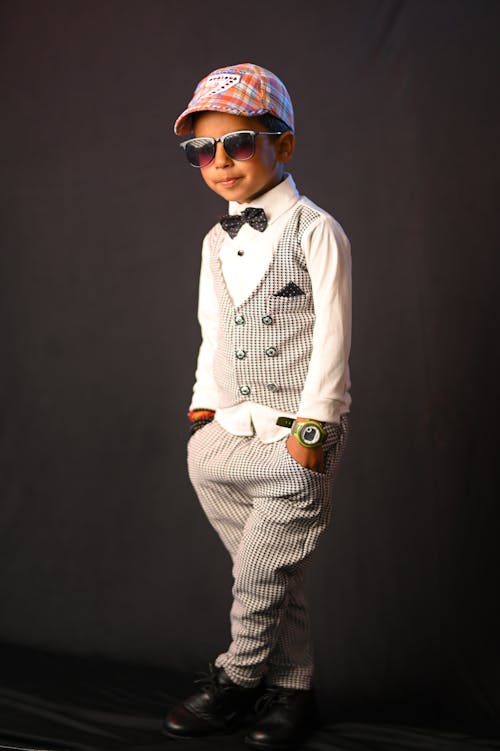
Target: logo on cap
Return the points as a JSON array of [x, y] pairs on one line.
[[219, 83]]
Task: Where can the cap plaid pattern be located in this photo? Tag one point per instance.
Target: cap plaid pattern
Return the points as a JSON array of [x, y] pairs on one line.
[[243, 89]]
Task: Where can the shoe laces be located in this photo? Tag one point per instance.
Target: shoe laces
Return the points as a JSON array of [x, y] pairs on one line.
[[208, 681], [274, 695]]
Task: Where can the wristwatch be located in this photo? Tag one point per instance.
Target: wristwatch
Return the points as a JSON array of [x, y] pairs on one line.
[[309, 433]]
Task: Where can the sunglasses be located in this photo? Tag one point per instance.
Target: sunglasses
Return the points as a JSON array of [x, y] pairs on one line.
[[239, 145]]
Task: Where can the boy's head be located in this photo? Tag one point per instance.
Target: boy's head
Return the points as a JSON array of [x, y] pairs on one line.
[[239, 166]]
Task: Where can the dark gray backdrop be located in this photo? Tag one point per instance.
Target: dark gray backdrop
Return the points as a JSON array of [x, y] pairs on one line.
[[103, 549]]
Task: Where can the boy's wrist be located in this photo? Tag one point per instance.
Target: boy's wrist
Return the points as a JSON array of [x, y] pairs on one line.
[[198, 418], [308, 432]]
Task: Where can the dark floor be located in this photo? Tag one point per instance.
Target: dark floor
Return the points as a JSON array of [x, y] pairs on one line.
[[50, 703]]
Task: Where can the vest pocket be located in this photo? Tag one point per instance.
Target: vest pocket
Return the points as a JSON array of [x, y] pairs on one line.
[[297, 303]]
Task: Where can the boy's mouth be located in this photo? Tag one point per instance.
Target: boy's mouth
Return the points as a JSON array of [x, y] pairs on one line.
[[228, 182]]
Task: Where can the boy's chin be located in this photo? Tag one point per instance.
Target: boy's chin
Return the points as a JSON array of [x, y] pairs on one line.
[[232, 192], [238, 193]]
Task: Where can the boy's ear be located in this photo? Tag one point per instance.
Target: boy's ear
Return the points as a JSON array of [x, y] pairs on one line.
[[285, 145]]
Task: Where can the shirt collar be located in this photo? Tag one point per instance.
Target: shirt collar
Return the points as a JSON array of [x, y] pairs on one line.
[[275, 202]]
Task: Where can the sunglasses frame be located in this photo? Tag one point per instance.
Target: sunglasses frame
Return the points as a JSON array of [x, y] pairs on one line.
[[215, 141]]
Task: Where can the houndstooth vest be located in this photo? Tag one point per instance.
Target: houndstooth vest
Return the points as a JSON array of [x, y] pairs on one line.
[[264, 345]]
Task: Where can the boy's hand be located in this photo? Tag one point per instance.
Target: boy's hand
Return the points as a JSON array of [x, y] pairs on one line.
[[311, 458]]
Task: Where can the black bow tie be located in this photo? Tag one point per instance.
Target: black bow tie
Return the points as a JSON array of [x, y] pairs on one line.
[[256, 218]]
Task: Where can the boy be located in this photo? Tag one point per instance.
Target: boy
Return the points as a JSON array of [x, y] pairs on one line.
[[270, 402]]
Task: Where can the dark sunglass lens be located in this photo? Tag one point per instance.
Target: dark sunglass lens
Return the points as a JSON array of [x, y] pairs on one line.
[[200, 152], [240, 146]]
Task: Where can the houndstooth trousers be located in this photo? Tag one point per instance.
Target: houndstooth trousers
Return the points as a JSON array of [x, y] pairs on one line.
[[269, 513]]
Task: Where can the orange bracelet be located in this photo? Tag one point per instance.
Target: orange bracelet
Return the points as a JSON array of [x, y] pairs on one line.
[[200, 414]]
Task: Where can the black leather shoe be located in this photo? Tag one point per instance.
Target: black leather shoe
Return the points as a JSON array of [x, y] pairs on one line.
[[285, 717], [218, 707]]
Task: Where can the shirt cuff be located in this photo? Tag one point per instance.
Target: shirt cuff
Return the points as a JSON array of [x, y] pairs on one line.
[[323, 410]]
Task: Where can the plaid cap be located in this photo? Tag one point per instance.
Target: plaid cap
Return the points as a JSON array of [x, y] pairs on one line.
[[244, 89]]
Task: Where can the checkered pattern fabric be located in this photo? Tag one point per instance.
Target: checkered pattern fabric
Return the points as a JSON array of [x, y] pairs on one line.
[[243, 89], [265, 344], [270, 513]]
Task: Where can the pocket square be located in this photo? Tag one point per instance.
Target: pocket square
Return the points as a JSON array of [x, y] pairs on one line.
[[290, 290]]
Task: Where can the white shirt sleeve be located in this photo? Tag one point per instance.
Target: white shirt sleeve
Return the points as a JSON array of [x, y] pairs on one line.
[[328, 257], [205, 394]]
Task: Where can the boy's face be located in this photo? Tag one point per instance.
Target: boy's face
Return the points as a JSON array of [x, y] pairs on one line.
[[242, 181]]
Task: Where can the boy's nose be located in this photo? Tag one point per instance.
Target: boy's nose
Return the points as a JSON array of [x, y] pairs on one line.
[[221, 158]]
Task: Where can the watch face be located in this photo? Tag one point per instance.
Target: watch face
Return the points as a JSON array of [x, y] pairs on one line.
[[310, 435]]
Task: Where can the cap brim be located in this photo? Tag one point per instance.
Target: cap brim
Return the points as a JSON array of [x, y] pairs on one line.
[[184, 124]]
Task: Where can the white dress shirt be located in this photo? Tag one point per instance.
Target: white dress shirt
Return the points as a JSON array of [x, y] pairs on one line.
[[244, 260]]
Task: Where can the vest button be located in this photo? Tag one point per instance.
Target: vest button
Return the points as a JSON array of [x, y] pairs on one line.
[[239, 319], [241, 252], [271, 351], [272, 387], [245, 390], [267, 320], [240, 354]]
